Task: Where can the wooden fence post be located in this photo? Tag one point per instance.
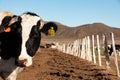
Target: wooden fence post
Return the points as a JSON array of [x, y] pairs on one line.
[[79, 48], [86, 56], [88, 49], [76, 43], [83, 49], [68, 48], [63, 48], [98, 48], [106, 52], [115, 56], [93, 49]]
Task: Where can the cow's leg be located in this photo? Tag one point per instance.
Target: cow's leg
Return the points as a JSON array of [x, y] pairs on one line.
[[12, 75], [9, 76], [6, 75]]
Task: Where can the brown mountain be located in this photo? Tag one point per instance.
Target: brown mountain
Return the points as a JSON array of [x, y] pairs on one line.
[[65, 32]]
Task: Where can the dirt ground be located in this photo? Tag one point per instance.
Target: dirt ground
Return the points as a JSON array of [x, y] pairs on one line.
[[49, 64]]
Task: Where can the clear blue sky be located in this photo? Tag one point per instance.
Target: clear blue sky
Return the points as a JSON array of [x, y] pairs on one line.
[[69, 12]]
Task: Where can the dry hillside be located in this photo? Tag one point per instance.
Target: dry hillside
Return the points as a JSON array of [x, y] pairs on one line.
[[65, 32]]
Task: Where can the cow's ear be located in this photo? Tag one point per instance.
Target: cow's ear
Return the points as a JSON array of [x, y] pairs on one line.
[[49, 28], [15, 19], [15, 23], [9, 23], [5, 22]]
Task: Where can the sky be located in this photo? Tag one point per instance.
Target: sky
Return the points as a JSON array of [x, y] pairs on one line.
[[68, 12]]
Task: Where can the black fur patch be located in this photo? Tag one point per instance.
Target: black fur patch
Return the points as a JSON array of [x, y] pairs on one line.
[[30, 13], [33, 42], [11, 42], [47, 26]]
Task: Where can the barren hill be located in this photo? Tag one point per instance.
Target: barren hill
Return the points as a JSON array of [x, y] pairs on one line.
[[86, 30], [65, 32]]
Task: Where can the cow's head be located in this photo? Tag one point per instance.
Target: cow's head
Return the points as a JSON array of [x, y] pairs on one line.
[[32, 26], [10, 35]]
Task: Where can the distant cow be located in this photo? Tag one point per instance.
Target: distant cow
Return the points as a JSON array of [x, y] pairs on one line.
[[20, 38], [110, 48], [51, 45]]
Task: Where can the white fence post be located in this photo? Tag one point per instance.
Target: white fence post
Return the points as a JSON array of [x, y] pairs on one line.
[[115, 56], [67, 48], [106, 52], [75, 47], [63, 48], [79, 48], [98, 48], [88, 49], [83, 49], [93, 49]]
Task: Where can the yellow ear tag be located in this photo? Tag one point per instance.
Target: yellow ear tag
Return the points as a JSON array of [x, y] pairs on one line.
[[51, 31], [7, 29]]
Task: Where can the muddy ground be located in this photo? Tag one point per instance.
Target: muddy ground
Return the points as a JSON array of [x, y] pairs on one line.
[[49, 64]]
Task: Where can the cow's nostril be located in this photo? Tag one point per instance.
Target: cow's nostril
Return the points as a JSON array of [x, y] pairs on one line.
[[25, 61], [21, 63]]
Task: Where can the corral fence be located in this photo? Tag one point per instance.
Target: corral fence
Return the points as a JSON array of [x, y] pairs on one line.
[[86, 48]]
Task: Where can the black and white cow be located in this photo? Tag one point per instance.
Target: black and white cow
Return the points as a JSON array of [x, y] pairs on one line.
[[110, 48], [19, 40]]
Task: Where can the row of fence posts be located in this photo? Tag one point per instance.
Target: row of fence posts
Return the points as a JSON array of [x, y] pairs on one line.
[[82, 49]]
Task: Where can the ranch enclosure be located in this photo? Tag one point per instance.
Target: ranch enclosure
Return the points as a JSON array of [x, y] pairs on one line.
[[51, 64]]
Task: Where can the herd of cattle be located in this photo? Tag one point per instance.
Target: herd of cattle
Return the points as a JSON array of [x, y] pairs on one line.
[[20, 37]]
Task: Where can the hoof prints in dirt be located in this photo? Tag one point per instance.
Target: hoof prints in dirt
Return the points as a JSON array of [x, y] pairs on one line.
[[59, 74], [54, 65], [65, 75], [67, 66]]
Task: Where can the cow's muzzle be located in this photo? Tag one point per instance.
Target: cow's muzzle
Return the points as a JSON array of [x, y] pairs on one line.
[[21, 63]]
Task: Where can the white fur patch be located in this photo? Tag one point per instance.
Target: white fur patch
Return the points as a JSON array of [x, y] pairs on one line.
[[28, 22]]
